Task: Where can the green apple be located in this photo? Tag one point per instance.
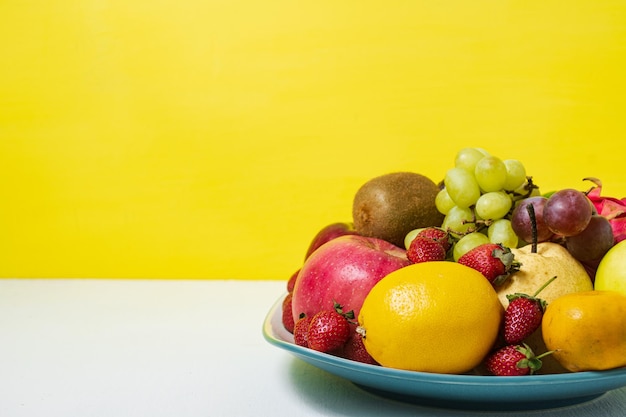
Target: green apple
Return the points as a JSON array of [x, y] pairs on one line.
[[611, 272]]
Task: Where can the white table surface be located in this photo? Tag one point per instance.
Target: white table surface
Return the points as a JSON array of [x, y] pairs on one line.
[[117, 348]]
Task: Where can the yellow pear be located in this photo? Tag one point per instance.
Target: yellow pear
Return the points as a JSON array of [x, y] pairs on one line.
[[551, 259]]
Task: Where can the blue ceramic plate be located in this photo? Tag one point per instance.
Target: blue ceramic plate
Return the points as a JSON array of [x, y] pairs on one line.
[[468, 392]]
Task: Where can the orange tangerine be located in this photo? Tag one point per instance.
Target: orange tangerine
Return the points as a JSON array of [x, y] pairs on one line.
[[587, 330]]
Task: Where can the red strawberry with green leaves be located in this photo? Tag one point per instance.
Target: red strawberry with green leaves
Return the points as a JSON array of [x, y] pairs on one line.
[[514, 360], [287, 314], [495, 261], [329, 330], [424, 249], [523, 315], [355, 350], [437, 234], [301, 331]]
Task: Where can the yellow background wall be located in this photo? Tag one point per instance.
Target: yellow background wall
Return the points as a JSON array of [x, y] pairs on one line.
[[212, 139]]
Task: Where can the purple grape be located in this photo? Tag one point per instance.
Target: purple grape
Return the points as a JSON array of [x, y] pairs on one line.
[[567, 212], [520, 220], [593, 242]]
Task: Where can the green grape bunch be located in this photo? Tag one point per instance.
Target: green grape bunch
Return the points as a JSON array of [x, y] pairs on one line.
[[477, 197]]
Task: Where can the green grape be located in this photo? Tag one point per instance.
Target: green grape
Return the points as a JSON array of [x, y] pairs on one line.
[[443, 202], [502, 232], [468, 157], [410, 236], [459, 220], [467, 243], [490, 173], [493, 205], [461, 187], [515, 174]]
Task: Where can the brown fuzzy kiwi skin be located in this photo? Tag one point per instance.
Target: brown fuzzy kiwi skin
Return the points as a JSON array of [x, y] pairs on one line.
[[391, 205]]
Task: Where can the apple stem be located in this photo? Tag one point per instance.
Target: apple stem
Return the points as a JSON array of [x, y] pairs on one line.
[[533, 226]]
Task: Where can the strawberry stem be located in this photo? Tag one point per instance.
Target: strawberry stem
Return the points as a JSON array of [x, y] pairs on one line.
[[339, 309], [544, 286], [531, 361], [544, 354]]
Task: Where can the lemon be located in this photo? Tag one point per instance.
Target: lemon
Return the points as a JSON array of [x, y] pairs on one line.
[[440, 317], [587, 330]]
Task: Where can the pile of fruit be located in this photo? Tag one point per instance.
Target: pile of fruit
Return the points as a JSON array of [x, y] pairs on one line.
[[478, 274]]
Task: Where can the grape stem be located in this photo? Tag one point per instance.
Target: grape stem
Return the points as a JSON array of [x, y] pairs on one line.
[[529, 187], [533, 226]]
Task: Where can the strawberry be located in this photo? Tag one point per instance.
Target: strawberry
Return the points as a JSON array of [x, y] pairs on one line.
[[291, 282], [301, 331], [287, 319], [329, 330], [523, 315], [424, 249], [355, 350], [514, 360], [495, 261], [436, 234]]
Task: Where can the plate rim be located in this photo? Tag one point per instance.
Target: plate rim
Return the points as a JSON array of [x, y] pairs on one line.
[[605, 380]]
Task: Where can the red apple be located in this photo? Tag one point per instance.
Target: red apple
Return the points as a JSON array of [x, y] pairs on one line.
[[344, 270], [329, 233]]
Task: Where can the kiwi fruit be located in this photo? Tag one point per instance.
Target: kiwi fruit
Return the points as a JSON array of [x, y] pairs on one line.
[[391, 205]]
